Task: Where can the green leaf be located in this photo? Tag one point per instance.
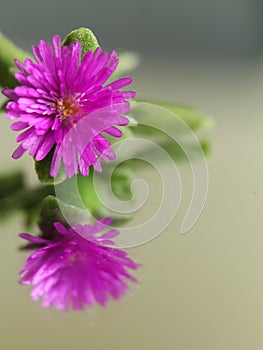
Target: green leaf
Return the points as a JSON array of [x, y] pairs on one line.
[[121, 186], [190, 115], [121, 181], [50, 213], [11, 183], [80, 192], [25, 200], [3, 101], [88, 194], [160, 117], [85, 36], [31, 201], [42, 168], [8, 52]]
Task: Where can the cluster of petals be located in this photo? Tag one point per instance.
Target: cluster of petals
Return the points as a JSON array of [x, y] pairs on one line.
[[77, 268], [59, 90]]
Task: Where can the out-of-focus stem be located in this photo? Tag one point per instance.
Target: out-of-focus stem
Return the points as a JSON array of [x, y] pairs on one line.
[[8, 52]]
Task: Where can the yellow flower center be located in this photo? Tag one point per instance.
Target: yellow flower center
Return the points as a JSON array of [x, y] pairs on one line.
[[68, 107]]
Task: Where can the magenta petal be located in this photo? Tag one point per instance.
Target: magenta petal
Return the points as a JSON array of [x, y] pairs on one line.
[[45, 148], [33, 239], [17, 126], [120, 83], [114, 132], [57, 45], [110, 234], [57, 91], [9, 93], [73, 272], [18, 152]]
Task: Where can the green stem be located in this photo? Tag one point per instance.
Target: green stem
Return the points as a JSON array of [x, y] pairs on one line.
[[11, 183], [26, 200], [8, 52]]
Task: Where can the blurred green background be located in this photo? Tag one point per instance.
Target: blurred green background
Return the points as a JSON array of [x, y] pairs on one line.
[[200, 291]]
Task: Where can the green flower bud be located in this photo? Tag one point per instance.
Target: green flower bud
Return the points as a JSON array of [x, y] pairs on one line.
[[85, 36]]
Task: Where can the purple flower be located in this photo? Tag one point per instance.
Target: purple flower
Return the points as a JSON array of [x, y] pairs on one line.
[[76, 269], [59, 91]]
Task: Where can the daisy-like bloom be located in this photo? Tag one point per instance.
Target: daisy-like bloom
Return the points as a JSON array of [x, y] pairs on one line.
[[76, 269], [59, 90]]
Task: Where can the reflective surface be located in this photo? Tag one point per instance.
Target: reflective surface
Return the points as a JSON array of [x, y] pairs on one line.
[[203, 290]]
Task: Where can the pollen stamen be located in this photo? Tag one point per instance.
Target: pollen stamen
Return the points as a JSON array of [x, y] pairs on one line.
[[68, 107]]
